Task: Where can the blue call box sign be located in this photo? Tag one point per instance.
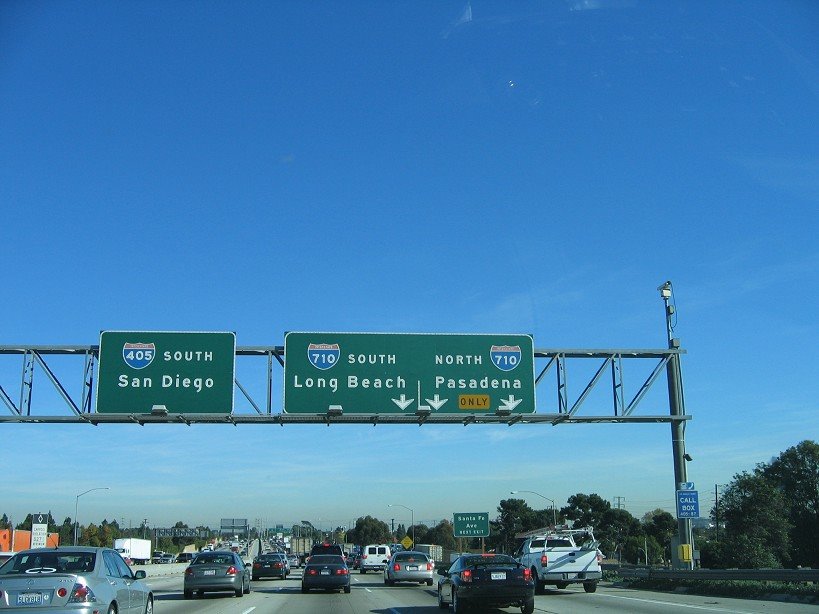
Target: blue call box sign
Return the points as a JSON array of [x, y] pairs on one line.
[[688, 504]]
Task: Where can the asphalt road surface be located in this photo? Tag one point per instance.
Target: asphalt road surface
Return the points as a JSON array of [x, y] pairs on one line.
[[369, 595]]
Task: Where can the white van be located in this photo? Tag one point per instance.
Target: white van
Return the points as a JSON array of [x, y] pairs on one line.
[[374, 557]]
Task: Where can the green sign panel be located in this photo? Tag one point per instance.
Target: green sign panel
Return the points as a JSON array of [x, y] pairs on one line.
[[397, 373], [467, 524], [186, 372]]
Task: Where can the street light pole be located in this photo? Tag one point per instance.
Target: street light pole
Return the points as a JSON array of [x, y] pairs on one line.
[[77, 505], [554, 513], [412, 518]]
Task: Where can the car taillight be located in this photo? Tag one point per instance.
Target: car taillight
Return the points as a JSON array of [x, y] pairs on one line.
[[430, 566], [396, 567], [544, 560], [81, 594], [189, 571], [599, 558], [232, 571], [363, 556], [466, 575], [527, 574], [257, 565], [277, 564], [311, 572], [61, 592], [342, 572]]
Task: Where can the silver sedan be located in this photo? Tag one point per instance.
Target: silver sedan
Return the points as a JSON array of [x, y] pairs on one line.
[[73, 579], [409, 566]]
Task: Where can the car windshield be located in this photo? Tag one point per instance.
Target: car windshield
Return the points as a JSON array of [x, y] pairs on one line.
[[271, 557], [49, 562], [214, 559], [326, 559], [497, 559]]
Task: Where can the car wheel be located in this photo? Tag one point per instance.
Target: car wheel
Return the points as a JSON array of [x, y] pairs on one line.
[[200, 593], [248, 589], [112, 609], [362, 570], [590, 587], [149, 606], [441, 603], [458, 606], [240, 591], [429, 582], [540, 587], [188, 594], [528, 607], [304, 589], [562, 585], [255, 578], [347, 589]]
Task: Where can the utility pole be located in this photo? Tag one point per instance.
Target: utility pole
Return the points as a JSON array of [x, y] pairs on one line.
[[676, 403], [716, 509]]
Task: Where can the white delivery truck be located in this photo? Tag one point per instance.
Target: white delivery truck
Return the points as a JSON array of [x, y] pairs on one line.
[[138, 550], [562, 556]]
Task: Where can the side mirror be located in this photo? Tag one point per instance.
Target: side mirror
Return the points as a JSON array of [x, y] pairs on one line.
[[139, 574], [443, 572]]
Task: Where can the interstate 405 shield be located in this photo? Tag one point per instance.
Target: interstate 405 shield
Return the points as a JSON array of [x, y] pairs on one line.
[[186, 372], [395, 373]]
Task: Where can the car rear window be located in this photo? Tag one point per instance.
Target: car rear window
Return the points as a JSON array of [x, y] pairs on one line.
[[214, 559], [411, 558], [49, 562], [497, 559], [326, 559]]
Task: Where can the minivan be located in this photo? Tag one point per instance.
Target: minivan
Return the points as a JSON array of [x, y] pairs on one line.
[[374, 556]]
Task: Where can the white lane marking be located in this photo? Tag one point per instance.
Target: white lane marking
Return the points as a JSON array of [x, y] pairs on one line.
[[249, 610], [678, 605]]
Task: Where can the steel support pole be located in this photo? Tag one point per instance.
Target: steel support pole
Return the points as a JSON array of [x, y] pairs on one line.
[[677, 409]]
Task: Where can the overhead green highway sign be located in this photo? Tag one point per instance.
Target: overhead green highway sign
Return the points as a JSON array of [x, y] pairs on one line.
[[471, 524], [405, 373], [141, 372]]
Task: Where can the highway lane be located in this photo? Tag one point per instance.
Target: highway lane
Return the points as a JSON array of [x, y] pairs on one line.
[[370, 596]]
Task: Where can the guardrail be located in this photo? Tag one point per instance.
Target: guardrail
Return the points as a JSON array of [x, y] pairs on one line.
[[772, 575]]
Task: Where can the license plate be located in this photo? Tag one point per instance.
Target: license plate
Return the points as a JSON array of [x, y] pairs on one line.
[[325, 572], [569, 576], [209, 572], [499, 575], [29, 599], [412, 567]]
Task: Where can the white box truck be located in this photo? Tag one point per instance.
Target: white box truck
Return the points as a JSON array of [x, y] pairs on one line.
[[138, 550]]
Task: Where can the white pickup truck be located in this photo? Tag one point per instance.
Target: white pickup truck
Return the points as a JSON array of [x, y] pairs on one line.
[[555, 558]]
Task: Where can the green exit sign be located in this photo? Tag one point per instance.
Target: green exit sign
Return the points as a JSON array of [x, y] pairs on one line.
[[471, 524], [408, 373], [184, 372]]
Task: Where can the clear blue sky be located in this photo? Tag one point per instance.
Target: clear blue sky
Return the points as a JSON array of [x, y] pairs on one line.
[[527, 167]]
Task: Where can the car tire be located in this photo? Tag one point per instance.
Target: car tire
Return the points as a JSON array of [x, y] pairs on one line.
[[540, 586], [590, 587], [200, 593], [429, 582], [441, 603], [304, 589], [149, 606], [248, 589], [240, 591], [187, 595], [562, 585], [528, 607], [112, 609], [347, 589], [255, 578], [362, 570], [458, 606]]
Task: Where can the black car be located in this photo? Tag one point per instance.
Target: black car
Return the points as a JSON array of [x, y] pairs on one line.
[[327, 571], [272, 565], [491, 580]]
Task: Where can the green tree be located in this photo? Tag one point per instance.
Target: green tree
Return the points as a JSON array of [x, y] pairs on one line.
[[796, 474], [441, 534], [514, 516], [619, 530], [660, 526], [369, 530], [756, 522], [585, 510]]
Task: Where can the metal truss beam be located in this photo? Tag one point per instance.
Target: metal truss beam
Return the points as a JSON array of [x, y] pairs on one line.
[[567, 411]]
